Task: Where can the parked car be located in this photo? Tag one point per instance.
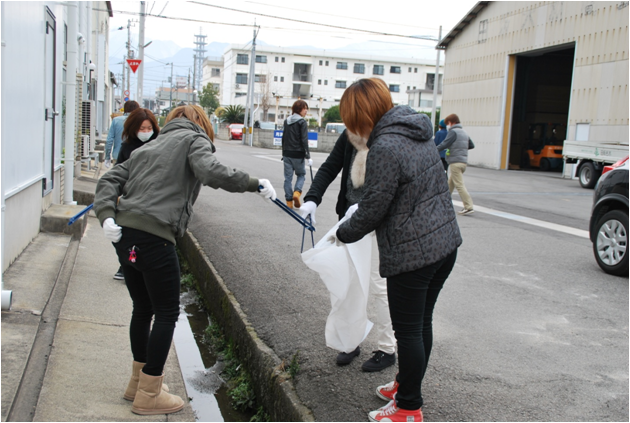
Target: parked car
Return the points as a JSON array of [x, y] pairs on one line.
[[609, 219], [335, 127], [235, 131]]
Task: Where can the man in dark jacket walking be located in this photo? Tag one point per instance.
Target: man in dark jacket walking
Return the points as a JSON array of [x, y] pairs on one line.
[[295, 152]]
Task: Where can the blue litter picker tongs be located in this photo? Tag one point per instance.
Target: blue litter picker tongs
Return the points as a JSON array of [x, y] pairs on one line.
[[304, 222]]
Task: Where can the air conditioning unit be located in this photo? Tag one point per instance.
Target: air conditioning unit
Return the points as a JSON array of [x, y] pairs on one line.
[[85, 145], [238, 86], [88, 126]]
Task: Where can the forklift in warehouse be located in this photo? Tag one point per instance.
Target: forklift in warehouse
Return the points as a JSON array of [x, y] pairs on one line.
[[543, 147]]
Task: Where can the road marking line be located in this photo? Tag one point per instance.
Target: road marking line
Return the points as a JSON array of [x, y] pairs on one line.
[[529, 221]]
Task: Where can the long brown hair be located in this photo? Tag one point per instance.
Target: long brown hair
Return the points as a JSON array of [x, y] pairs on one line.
[[195, 114], [134, 122], [363, 104]]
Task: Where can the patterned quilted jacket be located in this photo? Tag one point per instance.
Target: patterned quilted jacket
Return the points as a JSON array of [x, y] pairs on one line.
[[406, 198]]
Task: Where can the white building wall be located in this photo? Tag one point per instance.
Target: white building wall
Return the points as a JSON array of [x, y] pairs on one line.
[[322, 78], [476, 67]]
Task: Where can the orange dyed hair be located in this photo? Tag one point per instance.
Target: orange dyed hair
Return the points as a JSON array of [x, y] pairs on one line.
[[363, 104], [193, 113]]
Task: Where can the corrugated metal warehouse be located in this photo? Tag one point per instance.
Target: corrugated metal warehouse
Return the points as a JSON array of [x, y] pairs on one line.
[[519, 72]]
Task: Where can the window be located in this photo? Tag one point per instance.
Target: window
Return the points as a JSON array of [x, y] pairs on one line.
[[282, 60], [321, 62], [409, 70], [326, 83], [431, 80], [415, 70], [340, 84], [216, 87], [282, 80], [410, 103], [319, 82], [261, 59], [276, 58], [408, 87], [414, 88], [425, 103], [326, 62], [394, 88], [260, 78], [394, 69], [378, 70], [215, 72], [483, 31], [275, 79], [242, 59], [241, 78], [342, 65], [359, 68]]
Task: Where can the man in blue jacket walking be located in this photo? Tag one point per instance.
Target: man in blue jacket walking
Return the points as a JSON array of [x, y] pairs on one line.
[[439, 137], [114, 135]]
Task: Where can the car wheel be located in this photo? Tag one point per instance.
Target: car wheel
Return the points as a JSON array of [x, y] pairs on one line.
[[588, 175], [611, 244], [545, 164]]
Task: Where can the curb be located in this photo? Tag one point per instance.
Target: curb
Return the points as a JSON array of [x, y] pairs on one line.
[[272, 386]]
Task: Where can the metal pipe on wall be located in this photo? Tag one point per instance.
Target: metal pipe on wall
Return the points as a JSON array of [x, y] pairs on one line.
[[71, 106]]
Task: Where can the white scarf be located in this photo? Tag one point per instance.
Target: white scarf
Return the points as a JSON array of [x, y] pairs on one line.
[[357, 175]]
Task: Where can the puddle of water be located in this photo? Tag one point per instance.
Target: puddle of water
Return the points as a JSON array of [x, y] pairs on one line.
[[200, 368]]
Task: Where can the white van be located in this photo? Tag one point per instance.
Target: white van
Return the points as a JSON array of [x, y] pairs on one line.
[[335, 127]]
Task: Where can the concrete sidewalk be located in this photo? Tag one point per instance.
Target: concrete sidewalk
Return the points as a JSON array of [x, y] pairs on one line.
[[83, 374]]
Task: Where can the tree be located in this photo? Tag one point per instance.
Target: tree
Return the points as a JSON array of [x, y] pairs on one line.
[[209, 99], [333, 114], [233, 114]]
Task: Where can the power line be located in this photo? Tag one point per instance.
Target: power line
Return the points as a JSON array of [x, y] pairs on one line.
[[421, 37]]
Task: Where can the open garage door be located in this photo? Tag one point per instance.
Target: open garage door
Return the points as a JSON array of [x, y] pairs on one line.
[[542, 92]]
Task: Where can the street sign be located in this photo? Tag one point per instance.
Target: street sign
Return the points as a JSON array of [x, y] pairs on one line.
[[133, 64], [126, 93], [126, 98]]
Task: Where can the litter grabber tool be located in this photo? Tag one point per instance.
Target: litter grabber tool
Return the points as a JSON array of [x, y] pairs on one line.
[[304, 222], [81, 213], [311, 167]]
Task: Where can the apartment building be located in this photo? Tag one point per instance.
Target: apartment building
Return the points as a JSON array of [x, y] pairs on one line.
[[282, 75], [212, 73]]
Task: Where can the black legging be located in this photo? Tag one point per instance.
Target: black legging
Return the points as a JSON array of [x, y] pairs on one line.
[[153, 282], [412, 297]]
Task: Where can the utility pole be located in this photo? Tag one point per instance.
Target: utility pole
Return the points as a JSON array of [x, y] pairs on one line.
[[436, 83], [170, 106], [321, 99], [129, 55], [277, 104], [249, 115], [122, 87], [141, 53]]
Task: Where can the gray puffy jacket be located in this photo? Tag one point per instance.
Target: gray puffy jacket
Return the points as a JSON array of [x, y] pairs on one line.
[[457, 143], [406, 198], [160, 182]]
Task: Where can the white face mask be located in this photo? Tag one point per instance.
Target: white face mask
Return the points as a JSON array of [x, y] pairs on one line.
[[144, 136], [448, 127]]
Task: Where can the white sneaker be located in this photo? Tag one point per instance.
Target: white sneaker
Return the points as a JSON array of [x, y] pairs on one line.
[[465, 212]]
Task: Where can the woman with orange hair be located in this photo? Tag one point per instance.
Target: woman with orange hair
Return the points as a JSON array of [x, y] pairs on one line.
[[158, 186], [407, 201]]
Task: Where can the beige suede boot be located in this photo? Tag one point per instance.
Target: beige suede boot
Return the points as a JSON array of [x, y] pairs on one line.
[[151, 399], [132, 387]]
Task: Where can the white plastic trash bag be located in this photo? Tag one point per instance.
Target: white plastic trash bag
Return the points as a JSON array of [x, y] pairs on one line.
[[345, 271]]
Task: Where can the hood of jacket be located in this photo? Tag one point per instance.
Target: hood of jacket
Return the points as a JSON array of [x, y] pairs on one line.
[[183, 123], [293, 118], [403, 120]]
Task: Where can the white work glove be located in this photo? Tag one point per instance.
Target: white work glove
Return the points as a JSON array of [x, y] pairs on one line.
[[310, 162], [307, 209], [267, 190], [334, 240], [108, 163], [112, 231], [353, 208]]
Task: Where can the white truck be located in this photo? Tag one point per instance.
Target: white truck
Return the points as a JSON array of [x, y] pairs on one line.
[[591, 157]]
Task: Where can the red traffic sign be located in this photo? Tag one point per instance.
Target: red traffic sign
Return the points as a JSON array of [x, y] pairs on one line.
[[126, 93], [133, 64]]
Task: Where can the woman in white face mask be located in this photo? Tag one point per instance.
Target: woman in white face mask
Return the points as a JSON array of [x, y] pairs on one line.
[[140, 127]]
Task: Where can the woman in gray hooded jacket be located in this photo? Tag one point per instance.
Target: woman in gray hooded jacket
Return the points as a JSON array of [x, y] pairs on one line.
[[406, 200], [151, 196]]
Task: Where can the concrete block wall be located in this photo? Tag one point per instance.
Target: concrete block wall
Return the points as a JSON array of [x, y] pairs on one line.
[[263, 138]]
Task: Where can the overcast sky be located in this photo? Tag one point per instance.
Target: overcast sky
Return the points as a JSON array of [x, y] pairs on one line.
[[401, 17]]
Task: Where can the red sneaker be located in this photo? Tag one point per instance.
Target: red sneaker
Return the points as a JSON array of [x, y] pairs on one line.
[[388, 391], [391, 413]]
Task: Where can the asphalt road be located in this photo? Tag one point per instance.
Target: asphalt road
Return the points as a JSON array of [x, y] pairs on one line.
[[527, 328]]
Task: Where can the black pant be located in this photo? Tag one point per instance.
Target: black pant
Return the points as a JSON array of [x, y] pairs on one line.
[[444, 163], [153, 282], [412, 297]]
